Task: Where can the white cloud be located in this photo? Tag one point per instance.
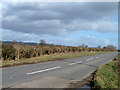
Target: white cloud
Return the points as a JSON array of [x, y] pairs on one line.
[[49, 21], [59, 18]]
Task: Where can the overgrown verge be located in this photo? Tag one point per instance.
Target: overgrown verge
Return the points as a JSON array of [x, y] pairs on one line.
[[107, 75]]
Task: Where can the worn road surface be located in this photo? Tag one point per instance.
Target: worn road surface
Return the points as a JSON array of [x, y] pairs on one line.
[[54, 74]]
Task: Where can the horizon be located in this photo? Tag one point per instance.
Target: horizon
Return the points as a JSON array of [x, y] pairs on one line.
[[5, 42]]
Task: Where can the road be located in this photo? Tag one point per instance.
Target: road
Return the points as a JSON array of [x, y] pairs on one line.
[[55, 73]]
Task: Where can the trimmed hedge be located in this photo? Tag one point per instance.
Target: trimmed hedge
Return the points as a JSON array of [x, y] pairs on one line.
[[13, 52]]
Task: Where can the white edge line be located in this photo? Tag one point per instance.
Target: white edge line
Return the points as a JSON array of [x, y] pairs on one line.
[[43, 70]]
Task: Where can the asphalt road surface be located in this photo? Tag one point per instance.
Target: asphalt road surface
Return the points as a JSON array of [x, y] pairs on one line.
[[53, 74]]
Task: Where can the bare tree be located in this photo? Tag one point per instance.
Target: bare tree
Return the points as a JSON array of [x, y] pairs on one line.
[[42, 42], [14, 42], [83, 45], [99, 46], [111, 47]]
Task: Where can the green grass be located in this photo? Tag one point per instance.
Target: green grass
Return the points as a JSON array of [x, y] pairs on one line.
[[107, 75], [45, 58]]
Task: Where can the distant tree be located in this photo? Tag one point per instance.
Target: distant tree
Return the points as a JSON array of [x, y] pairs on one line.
[[86, 45], [83, 45], [104, 47], [14, 42], [42, 42], [111, 47], [52, 45], [22, 44], [99, 46]]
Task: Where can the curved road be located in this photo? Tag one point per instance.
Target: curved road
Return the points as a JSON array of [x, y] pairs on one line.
[[55, 74]]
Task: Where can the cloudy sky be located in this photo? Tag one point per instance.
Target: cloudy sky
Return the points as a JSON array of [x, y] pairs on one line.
[[64, 23]]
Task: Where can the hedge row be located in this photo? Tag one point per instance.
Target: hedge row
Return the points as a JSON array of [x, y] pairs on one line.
[[13, 52]]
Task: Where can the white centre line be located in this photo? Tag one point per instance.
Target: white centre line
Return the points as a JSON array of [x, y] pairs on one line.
[[79, 62], [75, 63], [72, 63], [43, 70], [89, 59], [97, 57]]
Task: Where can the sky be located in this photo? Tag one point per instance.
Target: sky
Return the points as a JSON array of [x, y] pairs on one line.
[[63, 23]]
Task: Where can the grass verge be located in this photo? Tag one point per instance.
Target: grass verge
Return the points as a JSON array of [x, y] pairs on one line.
[[45, 58], [107, 75]]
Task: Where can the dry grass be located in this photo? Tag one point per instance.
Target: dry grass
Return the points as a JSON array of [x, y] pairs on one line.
[[107, 75]]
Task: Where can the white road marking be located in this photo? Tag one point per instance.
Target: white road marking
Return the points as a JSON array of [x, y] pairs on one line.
[[79, 62], [72, 63], [89, 59], [75, 63], [97, 57], [43, 70]]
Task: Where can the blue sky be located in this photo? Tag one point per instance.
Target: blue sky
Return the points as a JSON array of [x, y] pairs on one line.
[[70, 24]]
